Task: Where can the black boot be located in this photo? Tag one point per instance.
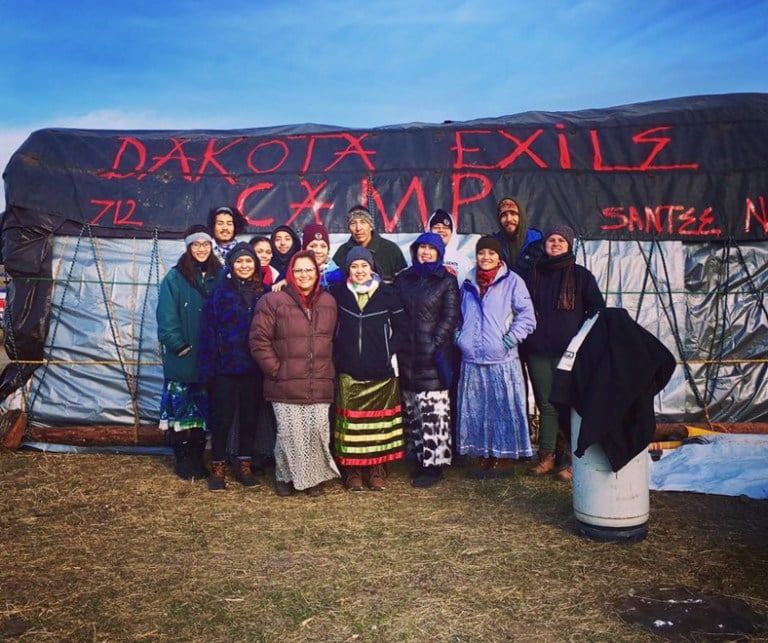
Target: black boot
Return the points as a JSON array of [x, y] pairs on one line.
[[197, 453], [427, 477], [181, 451]]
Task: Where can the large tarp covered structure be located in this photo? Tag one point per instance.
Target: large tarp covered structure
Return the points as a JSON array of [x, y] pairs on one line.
[[668, 199]]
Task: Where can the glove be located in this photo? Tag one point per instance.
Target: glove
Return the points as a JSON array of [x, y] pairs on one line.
[[509, 341]]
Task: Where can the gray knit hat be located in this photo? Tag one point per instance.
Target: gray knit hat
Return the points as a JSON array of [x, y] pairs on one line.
[[565, 231], [357, 253]]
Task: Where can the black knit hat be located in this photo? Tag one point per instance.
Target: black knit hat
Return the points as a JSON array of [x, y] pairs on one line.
[[442, 217], [488, 242], [242, 248]]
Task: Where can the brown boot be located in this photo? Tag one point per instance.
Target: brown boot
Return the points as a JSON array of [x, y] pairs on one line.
[[243, 473], [546, 464], [565, 474], [353, 478], [217, 482], [377, 480]]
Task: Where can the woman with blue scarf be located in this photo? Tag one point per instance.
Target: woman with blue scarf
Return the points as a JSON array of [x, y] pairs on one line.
[[430, 295]]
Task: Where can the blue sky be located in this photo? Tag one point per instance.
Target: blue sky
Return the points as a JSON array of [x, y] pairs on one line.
[[199, 64]]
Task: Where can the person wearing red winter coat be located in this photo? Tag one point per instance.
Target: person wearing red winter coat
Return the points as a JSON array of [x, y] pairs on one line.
[[291, 339]]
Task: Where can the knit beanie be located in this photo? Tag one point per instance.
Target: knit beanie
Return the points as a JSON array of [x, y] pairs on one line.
[[442, 217], [313, 232], [565, 231], [505, 203], [360, 212], [242, 248], [488, 242], [357, 253]]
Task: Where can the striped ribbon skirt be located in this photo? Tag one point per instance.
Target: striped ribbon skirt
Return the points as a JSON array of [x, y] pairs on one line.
[[369, 423]]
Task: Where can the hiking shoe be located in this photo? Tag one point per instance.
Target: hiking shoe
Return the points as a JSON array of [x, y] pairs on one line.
[[354, 479], [377, 479]]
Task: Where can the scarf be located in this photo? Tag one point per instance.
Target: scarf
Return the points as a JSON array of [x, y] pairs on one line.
[[426, 268], [565, 264], [221, 252], [266, 275], [363, 292], [485, 279]]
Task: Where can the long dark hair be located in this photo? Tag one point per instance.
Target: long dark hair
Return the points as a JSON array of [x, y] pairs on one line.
[[188, 266]]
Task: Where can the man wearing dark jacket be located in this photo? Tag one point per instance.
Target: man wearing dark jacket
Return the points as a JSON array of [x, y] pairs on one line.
[[387, 254]]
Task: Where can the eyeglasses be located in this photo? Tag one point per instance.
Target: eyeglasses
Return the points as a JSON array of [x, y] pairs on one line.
[[303, 271], [200, 245]]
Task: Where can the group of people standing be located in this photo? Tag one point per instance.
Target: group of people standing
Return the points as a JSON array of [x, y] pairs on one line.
[[336, 366]]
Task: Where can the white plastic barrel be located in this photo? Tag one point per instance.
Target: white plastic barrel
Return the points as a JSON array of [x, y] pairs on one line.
[[609, 506]]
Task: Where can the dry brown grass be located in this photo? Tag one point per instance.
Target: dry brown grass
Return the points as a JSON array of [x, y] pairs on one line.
[[114, 548]]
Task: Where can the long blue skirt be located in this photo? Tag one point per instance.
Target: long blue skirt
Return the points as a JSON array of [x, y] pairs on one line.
[[492, 422]]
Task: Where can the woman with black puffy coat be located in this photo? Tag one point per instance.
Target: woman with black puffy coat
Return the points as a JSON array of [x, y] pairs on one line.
[[430, 294]]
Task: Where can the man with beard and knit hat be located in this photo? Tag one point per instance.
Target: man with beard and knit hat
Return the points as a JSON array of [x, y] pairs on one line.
[[387, 254], [521, 245]]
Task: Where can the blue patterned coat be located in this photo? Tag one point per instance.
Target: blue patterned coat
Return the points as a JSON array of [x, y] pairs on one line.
[[224, 335]]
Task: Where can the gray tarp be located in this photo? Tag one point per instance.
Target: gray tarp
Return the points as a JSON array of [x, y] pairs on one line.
[[704, 301]]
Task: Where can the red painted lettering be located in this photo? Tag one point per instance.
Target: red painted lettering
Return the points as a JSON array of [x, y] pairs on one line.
[[752, 212], [615, 213], [661, 143], [457, 186], [642, 137], [117, 206], [671, 219], [459, 149], [355, 148], [141, 152], [176, 153], [243, 197], [414, 188], [523, 147], [277, 142], [562, 146], [209, 158], [312, 203]]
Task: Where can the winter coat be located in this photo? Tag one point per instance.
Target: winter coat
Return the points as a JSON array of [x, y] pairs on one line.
[[227, 319], [555, 328], [432, 304], [616, 371], [330, 274], [179, 315], [532, 249], [505, 309], [294, 347], [367, 339], [387, 255]]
